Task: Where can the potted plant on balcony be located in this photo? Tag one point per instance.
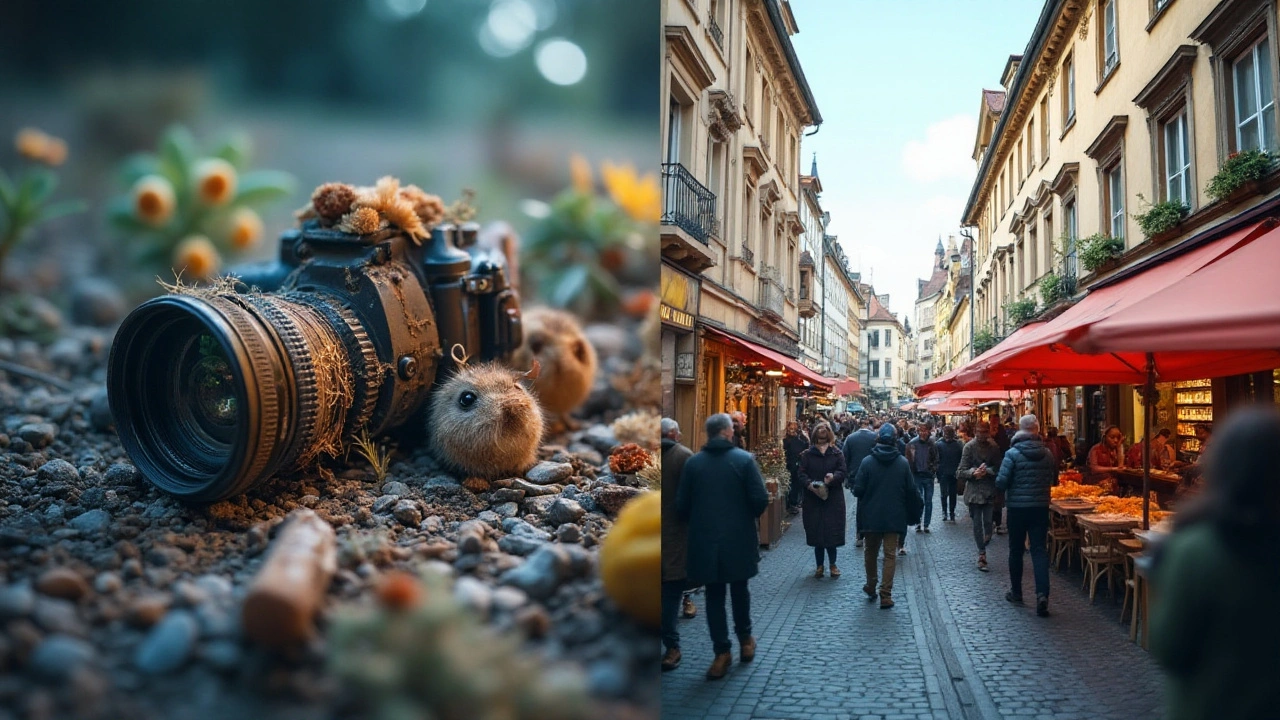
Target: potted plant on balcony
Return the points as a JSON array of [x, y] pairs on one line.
[[1161, 220], [1020, 311], [983, 340], [1240, 175], [1098, 252]]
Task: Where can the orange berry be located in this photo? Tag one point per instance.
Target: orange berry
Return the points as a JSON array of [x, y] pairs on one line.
[[215, 181]]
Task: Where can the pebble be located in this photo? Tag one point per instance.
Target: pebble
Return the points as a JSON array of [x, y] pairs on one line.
[[509, 598], [507, 510], [384, 504], [611, 498], [395, 488], [587, 454], [546, 473], [40, 435], [17, 601], [507, 495], [540, 505], [433, 524], [92, 522], [516, 526], [57, 615], [490, 516], [169, 644], [57, 471], [107, 583], [541, 574], [221, 654], [58, 657], [407, 512], [94, 497], [146, 610], [473, 593], [519, 545], [62, 583], [531, 490], [569, 533], [216, 622], [564, 511], [601, 438], [607, 678], [217, 587], [122, 474], [96, 302], [534, 620], [100, 412]]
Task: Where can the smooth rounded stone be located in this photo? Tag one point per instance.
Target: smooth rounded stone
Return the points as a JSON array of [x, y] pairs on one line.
[[506, 495], [531, 490], [57, 471], [473, 593], [107, 583], [216, 621], [92, 522], [520, 545], [17, 601], [569, 533], [146, 610], [581, 627], [169, 644], [540, 505], [187, 593], [586, 454], [516, 526], [467, 563], [541, 574], [564, 511], [546, 473], [407, 513], [100, 417], [534, 620], [63, 583], [509, 598], [507, 510], [58, 657], [57, 615], [222, 655], [384, 504], [433, 524], [607, 678], [217, 587], [489, 516], [395, 488], [39, 435], [122, 474], [96, 302], [601, 438]]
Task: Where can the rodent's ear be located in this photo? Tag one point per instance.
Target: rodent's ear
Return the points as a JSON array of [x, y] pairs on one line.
[[535, 371]]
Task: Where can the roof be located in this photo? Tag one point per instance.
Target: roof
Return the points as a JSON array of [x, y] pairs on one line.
[[877, 312], [938, 280], [793, 62], [994, 100]]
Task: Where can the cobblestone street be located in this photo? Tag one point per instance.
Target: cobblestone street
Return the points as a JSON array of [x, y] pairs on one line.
[[952, 647]]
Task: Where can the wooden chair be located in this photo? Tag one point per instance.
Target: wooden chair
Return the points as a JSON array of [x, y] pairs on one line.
[[1098, 551], [1064, 536]]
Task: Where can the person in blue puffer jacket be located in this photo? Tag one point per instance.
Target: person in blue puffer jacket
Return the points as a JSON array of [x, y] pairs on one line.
[[1026, 474]]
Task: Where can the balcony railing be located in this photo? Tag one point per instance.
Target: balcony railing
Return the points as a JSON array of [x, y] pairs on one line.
[[771, 298], [687, 203], [716, 33], [1069, 273], [748, 255]]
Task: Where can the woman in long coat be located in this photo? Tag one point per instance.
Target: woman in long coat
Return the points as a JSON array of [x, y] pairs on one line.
[[824, 520]]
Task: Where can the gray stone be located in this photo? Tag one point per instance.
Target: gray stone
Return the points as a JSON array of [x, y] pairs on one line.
[[587, 454], [530, 490], [223, 655], [100, 412], [506, 495], [40, 435], [96, 302], [217, 587], [407, 512], [516, 526], [216, 621], [107, 583], [58, 657], [395, 488], [509, 598], [520, 545], [541, 574], [569, 533], [473, 593], [94, 497], [489, 516], [384, 504], [92, 522], [540, 505], [433, 524], [564, 511], [607, 678], [17, 601], [507, 510], [58, 616], [57, 471], [169, 644], [122, 474], [546, 473], [601, 438]]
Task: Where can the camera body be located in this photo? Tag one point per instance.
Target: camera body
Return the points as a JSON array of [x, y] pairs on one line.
[[214, 389]]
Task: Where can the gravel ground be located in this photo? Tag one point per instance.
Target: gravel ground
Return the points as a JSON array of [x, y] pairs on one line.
[[118, 601]]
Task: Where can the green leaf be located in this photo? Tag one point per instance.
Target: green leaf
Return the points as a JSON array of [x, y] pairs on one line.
[[61, 209], [235, 150], [178, 152], [37, 186], [262, 186], [120, 214], [567, 285], [8, 193], [137, 166]]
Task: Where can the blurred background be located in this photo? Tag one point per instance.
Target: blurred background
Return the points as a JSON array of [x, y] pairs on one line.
[[491, 95]]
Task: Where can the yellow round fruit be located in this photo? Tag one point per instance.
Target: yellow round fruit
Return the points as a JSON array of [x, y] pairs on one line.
[[631, 559]]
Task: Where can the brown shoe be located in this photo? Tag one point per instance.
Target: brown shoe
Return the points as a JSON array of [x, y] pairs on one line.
[[689, 610], [671, 660], [835, 571], [818, 573], [720, 666], [870, 590], [886, 602], [747, 652]]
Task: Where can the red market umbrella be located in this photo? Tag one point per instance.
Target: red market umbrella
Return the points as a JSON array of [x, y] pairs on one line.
[[947, 383], [907, 407]]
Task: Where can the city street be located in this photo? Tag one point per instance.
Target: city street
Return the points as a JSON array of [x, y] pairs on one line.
[[952, 647]]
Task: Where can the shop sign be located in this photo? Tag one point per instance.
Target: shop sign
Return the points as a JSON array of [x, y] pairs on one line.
[[679, 299], [684, 366]]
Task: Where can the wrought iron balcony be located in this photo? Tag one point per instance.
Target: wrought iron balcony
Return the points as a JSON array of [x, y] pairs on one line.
[[748, 255], [771, 298], [1068, 273], [687, 203], [716, 33]]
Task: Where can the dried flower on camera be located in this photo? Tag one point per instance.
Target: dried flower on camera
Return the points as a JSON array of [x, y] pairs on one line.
[[385, 198], [246, 229], [641, 427], [197, 258], [215, 181], [333, 200], [41, 147], [429, 208], [361, 221], [153, 200]]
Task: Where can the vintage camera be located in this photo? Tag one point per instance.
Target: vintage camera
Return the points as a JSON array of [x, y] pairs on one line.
[[214, 389]]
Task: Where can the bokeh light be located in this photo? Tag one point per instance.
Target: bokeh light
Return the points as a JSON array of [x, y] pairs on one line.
[[561, 61], [509, 28], [396, 10]]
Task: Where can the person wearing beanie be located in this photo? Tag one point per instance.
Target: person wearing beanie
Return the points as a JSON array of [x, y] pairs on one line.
[[1026, 474], [885, 489]]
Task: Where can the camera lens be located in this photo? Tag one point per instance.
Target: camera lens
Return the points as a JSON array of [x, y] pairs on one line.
[[212, 394]]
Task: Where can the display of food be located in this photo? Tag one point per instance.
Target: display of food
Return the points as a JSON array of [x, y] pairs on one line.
[[1069, 489], [1131, 506]]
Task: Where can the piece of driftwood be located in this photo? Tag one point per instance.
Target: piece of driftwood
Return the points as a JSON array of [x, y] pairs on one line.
[[282, 603]]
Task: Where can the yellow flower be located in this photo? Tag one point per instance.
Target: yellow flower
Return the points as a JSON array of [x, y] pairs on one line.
[[215, 181], [153, 200], [361, 221], [246, 229], [197, 258], [639, 197], [631, 559], [36, 145], [580, 170]]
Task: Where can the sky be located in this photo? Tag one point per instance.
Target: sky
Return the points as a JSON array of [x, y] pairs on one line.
[[899, 85]]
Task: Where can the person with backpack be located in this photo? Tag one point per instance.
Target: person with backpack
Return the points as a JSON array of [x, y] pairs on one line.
[[949, 451], [886, 491], [922, 456], [856, 448]]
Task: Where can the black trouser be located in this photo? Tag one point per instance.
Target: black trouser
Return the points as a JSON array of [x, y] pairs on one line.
[[794, 494], [1033, 522], [672, 601], [718, 621], [817, 554], [948, 497]]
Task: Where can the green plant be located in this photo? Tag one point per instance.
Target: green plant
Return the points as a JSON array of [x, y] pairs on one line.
[[1161, 217], [1020, 311], [983, 340], [1051, 288], [1098, 249], [25, 199], [773, 465], [378, 456], [1240, 168], [184, 207]]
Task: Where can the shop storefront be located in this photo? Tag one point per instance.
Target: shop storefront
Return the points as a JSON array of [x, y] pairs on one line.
[[678, 310]]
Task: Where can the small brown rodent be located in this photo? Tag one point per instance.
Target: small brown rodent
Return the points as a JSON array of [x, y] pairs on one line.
[[484, 422], [554, 339]]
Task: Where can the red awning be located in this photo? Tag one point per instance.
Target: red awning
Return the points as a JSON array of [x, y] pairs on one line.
[[1045, 357], [907, 407], [1010, 395], [793, 369], [848, 386], [948, 383], [950, 407], [1228, 305]]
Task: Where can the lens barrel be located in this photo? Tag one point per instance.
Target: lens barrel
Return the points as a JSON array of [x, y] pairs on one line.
[[214, 393]]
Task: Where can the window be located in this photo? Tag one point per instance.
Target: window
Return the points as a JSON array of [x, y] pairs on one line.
[[1021, 176], [1115, 201], [1255, 117], [750, 93], [1044, 128], [875, 368], [1034, 251], [673, 131], [873, 339], [1177, 160], [1021, 254], [1110, 43], [1031, 145], [1161, 4], [1069, 229], [1068, 92], [888, 337], [1048, 240], [926, 373]]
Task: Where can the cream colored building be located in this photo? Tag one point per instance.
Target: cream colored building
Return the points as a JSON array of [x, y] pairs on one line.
[[735, 103]]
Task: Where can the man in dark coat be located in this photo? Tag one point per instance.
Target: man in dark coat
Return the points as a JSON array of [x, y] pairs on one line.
[[1026, 475], [722, 495], [949, 451], [674, 541], [856, 448], [922, 456], [979, 463], [824, 519], [794, 443], [882, 486]]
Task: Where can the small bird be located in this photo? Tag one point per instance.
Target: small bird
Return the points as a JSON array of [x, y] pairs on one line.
[[556, 341]]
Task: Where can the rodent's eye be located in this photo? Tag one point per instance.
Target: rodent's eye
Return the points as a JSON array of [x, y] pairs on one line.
[[535, 343], [580, 351], [467, 399]]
